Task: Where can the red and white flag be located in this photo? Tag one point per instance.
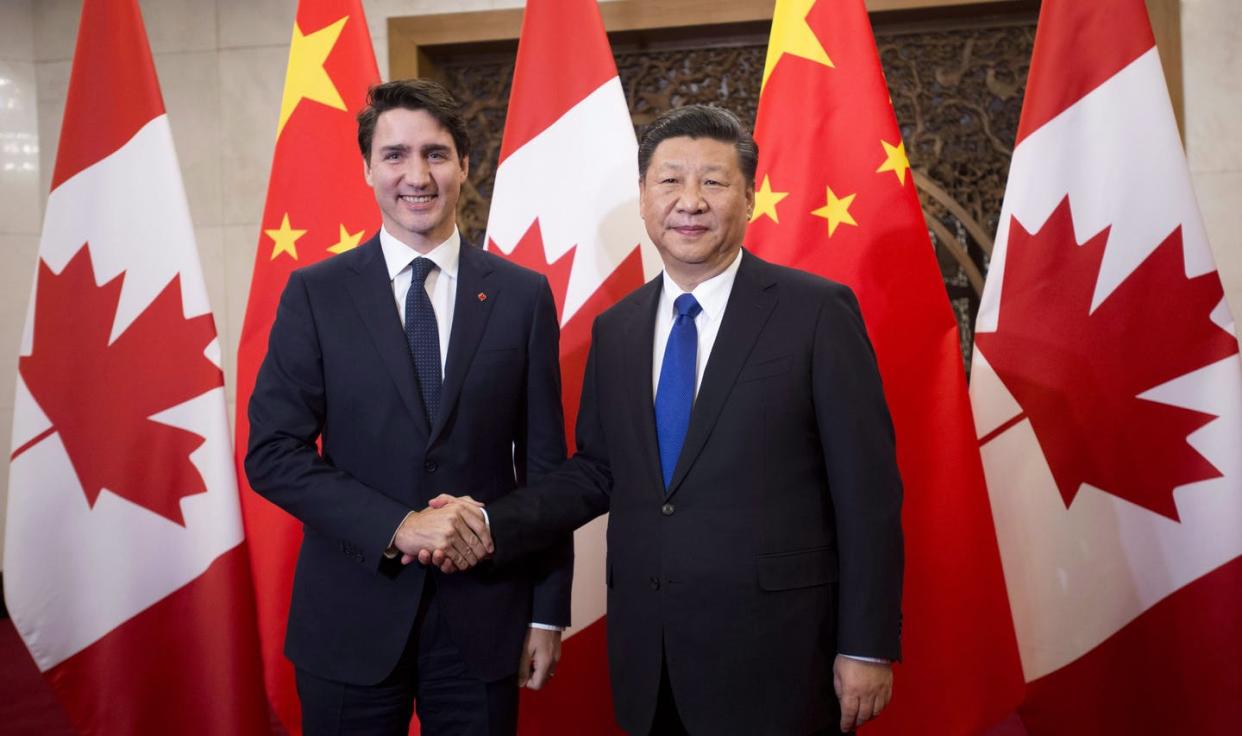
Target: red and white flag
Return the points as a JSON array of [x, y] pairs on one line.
[[584, 233], [318, 205], [125, 566], [1108, 399]]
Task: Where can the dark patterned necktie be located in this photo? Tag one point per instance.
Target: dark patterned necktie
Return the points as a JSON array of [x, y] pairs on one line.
[[424, 336]]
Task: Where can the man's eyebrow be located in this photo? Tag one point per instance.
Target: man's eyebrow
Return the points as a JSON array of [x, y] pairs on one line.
[[395, 148], [434, 148]]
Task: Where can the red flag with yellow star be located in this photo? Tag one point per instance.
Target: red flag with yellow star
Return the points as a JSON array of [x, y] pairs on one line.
[[318, 204], [835, 196]]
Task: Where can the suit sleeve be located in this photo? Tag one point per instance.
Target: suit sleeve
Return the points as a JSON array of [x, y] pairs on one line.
[[541, 450], [286, 414], [538, 516], [864, 483]]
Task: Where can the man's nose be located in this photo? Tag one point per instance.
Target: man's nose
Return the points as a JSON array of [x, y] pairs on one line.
[[417, 171], [690, 199]]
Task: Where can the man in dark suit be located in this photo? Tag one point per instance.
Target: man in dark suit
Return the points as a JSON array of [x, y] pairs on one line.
[[421, 365], [734, 425]]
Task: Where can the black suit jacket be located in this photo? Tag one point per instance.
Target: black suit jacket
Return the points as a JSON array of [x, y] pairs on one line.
[[339, 370], [779, 542]]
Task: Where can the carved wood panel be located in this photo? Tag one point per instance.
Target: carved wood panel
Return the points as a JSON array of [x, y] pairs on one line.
[[957, 92]]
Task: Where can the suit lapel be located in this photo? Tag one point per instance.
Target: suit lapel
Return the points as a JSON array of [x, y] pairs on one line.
[[371, 291], [749, 306], [640, 342], [470, 314]]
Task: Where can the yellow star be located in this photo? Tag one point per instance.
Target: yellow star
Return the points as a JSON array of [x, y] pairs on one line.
[[837, 211], [766, 201], [896, 160], [306, 77], [285, 238], [347, 241], [792, 35]]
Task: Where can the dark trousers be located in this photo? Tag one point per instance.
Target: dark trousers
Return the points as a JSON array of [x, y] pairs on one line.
[[667, 721], [430, 676]]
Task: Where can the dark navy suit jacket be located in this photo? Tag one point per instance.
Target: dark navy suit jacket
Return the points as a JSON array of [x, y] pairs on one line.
[[339, 371], [778, 543]]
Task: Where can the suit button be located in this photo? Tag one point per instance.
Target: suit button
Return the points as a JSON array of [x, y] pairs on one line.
[[667, 509], [655, 583], [430, 466]]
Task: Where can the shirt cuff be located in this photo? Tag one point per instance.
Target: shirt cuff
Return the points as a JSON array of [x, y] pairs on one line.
[[873, 660], [546, 627], [391, 552]]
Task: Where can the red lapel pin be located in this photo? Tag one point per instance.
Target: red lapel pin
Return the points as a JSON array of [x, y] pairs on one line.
[[482, 297]]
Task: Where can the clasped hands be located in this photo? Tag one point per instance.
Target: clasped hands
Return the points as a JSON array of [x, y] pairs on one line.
[[451, 534]]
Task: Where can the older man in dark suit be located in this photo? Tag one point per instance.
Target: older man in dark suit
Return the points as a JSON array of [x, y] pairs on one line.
[[422, 365], [734, 425]]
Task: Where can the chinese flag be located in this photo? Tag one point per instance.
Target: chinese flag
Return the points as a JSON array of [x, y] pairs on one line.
[[835, 196], [1108, 393], [567, 101], [318, 204], [125, 563]]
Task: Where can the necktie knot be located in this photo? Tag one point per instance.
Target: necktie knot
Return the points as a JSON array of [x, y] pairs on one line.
[[687, 306], [421, 267]]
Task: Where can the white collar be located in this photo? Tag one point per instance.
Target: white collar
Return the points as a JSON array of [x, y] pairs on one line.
[[398, 256], [712, 294]]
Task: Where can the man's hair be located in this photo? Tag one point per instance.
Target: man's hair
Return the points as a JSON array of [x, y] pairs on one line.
[[700, 121], [412, 94]]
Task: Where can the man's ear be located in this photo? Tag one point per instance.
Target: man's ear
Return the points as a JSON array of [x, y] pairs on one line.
[[465, 166], [366, 171]]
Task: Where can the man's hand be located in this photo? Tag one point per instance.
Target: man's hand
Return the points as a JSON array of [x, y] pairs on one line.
[[456, 530], [863, 688], [438, 556], [540, 655]]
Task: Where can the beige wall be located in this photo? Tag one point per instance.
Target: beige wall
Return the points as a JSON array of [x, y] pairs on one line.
[[1212, 64], [21, 204], [221, 64]]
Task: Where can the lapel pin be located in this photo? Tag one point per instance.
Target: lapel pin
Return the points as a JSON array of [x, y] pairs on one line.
[[482, 297]]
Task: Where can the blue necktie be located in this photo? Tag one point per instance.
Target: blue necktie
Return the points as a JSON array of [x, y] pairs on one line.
[[675, 392], [424, 336]]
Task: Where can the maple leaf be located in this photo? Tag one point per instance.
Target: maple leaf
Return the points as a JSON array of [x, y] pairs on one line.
[[1078, 373], [100, 396], [576, 333]]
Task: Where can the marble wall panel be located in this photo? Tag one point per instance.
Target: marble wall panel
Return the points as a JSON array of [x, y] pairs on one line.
[[180, 25], [18, 254], [1220, 200], [251, 83], [191, 87], [55, 28], [248, 23], [1212, 51], [19, 148], [239, 242], [16, 30]]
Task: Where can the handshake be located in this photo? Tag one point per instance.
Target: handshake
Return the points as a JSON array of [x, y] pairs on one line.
[[452, 534]]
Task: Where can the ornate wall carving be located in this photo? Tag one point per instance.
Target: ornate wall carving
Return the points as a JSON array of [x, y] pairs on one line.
[[957, 93]]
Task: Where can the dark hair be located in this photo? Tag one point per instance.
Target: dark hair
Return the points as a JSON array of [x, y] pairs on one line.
[[412, 94], [700, 121]]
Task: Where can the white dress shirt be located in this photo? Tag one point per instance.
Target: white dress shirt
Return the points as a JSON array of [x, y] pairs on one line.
[[441, 283], [712, 295]]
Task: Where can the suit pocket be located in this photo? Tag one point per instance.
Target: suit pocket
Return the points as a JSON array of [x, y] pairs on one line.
[[765, 369], [800, 569]]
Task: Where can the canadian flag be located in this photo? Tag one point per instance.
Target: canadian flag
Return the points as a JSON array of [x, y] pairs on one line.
[[125, 568], [1107, 392], [580, 228]]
